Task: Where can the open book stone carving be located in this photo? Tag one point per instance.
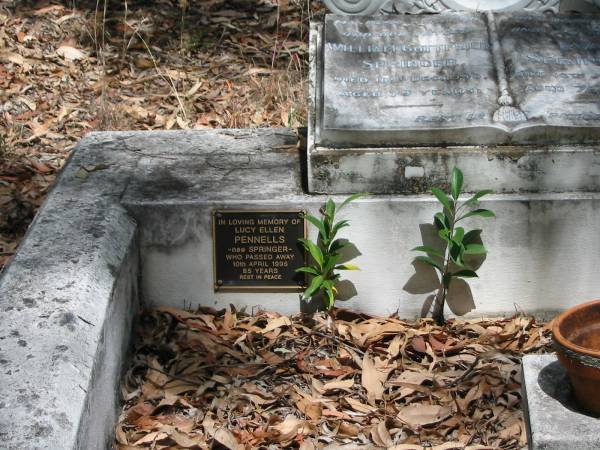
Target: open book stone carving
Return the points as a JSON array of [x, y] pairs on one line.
[[458, 78]]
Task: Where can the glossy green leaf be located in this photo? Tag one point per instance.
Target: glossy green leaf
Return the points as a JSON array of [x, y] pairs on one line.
[[432, 262], [330, 297], [471, 237], [314, 286], [330, 209], [442, 220], [478, 212], [338, 226], [318, 224], [455, 252], [307, 269], [465, 274], [456, 183], [338, 244], [429, 250], [444, 234], [347, 267], [327, 284], [478, 195], [330, 262], [441, 196], [327, 225], [315, 251], [352, 198], [475, 249], [459, 233]]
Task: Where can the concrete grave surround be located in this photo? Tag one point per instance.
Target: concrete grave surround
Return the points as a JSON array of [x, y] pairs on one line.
[[390, 92], [554, 420], [128, 223]]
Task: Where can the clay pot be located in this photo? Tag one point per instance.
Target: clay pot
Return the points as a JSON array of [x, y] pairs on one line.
[[576, 335]]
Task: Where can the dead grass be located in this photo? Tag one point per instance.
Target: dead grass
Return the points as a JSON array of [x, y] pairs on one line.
[[78, 66]]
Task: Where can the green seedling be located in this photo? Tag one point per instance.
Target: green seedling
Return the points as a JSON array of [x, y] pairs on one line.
[[458, 242], [325, 252]]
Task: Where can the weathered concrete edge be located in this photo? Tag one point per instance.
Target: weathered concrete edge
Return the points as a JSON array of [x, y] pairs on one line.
[[76, 302], [414, 170], [314, 88], [553, 420], [67, 297], [530, 267]]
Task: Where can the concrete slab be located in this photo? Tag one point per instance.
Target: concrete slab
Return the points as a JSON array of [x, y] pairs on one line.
[[555, 422], [68, 298], [414, 170]]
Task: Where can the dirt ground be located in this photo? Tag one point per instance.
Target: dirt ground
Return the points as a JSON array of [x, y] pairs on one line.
[[71, 67]]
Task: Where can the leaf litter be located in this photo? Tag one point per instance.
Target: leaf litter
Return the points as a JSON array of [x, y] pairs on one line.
[[225, 379], [69, 68]]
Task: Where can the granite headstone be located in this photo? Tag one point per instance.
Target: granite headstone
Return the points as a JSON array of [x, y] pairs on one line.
[[458, 78]]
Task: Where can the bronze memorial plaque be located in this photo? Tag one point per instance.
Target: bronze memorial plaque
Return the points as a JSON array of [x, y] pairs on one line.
[[256, 250]]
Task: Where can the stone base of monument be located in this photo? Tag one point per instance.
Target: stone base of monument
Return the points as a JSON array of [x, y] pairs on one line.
[[129, 224], [554, 420], [396, 101], [414, 170]]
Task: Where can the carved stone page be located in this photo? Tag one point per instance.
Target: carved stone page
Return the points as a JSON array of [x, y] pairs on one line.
[[459, 78], [389, 74], [554, 68]]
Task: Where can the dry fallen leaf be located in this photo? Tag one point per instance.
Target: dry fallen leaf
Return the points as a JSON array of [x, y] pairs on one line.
[[252, 371], [276, 323], [418, 415], [381, 435], [70, 53], [12, 57], [290, 427], [374, 374], [226, 438]]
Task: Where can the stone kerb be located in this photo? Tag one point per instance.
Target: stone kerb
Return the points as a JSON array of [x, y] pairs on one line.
[[68, 298], [554, 422], [66, 303]]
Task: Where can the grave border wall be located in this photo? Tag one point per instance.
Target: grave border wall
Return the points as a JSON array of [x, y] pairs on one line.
[[68, 298]]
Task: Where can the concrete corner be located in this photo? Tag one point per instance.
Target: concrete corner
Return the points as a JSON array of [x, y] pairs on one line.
[[555, 422]]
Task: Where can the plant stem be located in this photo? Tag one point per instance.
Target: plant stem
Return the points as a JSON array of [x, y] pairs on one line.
[[438, 306], [440, 298]]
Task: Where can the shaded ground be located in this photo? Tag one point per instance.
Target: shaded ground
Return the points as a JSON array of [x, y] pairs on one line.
[[68, 68], [228, 380]]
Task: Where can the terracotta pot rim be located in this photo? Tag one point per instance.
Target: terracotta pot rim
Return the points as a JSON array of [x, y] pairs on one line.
[[564, 342]]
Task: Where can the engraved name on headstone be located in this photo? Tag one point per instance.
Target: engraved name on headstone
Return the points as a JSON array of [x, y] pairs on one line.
[[459, 78], [384, 73]]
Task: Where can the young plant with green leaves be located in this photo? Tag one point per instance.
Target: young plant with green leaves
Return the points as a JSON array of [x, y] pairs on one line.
[[457, 242], [325, 252]]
